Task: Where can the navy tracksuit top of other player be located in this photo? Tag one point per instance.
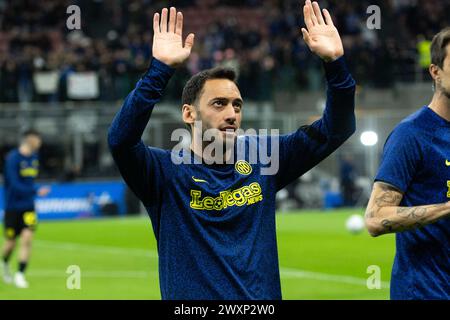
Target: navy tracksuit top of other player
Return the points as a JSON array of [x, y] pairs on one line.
[[20, 172], [416, 161], [215, 224]]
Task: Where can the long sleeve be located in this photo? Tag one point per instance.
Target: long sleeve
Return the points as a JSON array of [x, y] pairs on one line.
[[303, 149], [138, 164], [129, 124]]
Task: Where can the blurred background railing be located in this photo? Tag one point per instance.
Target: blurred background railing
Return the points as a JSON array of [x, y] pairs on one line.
[[75, 132], [69, 84]]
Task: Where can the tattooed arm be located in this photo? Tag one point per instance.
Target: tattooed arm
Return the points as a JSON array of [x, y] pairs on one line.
[[384, 215]]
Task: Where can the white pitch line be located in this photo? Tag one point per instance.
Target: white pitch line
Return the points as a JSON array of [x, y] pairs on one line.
[[48, 273], [297, 273], [284, 272], [97, 248]]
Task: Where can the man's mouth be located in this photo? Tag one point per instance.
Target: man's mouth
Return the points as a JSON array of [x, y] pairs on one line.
[[228, 129]]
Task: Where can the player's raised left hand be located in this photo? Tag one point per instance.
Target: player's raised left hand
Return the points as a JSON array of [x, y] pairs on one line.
[[320, 34]]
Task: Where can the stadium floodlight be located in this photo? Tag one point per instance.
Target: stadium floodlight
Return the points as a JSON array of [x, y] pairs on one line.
[[369, 138]]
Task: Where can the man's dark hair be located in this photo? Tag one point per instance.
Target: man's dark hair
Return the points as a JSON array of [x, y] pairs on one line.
[[438, 47], [31, 132], [193, 88]]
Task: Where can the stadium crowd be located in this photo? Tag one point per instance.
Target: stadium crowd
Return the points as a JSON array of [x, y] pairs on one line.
[[260, 38]]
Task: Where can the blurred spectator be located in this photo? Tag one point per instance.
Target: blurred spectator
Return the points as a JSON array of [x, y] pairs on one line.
[[423, 47], [261, 39], [347, 181], [9, 81], [70, 174]]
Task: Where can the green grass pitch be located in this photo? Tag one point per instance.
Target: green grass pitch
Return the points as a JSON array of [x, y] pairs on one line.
[[318, 258]]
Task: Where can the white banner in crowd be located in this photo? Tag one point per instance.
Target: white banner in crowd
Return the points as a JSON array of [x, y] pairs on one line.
[[46, 82], [83, 85]]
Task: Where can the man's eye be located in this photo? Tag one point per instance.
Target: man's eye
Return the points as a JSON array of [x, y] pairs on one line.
[[218, 103]]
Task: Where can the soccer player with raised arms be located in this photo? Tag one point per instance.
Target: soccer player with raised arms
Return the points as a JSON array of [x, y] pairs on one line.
[[214, 222], [411, 193]]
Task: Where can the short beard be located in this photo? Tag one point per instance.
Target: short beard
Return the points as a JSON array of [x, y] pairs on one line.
[[222, 139], [446, 93], [443, 91], [215, 141], [224, 142]]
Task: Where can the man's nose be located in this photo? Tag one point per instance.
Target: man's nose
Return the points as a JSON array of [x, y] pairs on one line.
[[230, 115]]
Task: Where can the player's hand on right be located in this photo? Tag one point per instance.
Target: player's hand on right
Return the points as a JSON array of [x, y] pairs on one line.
[[43, 191], [320, 34], [168, 39]]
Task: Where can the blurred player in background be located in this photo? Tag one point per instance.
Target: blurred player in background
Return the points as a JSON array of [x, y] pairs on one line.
[[215, 223], [412, 190], [21, 169]]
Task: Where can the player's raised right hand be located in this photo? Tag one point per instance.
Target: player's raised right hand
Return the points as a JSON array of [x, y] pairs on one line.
[[167, 39]]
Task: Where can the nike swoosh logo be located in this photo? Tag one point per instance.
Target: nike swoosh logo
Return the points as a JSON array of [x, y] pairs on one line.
[[198, 180], [447, 163]]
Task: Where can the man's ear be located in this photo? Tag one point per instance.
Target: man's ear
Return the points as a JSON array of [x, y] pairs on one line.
[[434, 72], [189, 114]]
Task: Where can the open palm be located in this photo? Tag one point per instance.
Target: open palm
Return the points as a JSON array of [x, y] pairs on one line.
[[168, 39], [321, 35]]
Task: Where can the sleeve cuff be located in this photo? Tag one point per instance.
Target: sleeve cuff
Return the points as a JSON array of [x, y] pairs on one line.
[[162, 67], [336, 71], [396, 185]]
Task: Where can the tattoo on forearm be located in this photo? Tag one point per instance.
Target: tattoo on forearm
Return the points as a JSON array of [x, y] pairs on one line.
[[417, 212], [420, 216], [370, 213], [412, 213], [388, 198], [392, 226], [404, 218]]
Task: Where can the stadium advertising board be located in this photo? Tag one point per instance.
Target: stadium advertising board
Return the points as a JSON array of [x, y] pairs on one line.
[[79, 200]]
